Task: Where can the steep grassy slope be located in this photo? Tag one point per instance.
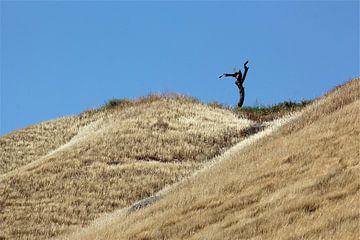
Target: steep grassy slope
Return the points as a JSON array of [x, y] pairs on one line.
[[65, 173], [302, 182]]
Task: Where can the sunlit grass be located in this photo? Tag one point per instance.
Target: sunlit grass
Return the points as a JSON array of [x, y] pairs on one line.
[[67, 172], [300, 182]]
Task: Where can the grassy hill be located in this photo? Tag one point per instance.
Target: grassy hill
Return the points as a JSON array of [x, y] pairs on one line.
[[66, 172], [300, 182], [77, 177]]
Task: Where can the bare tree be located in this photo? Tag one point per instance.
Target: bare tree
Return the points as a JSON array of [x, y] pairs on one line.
[[239, 82]]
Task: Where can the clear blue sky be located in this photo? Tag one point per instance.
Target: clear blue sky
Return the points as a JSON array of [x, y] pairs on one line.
[[61, 58]]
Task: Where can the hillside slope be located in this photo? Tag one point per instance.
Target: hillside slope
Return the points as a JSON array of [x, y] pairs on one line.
[[301, 182], [65, 173], [26, 145]]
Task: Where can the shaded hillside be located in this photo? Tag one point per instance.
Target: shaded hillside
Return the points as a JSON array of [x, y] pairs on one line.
[[269, 113], [64, 173], [302, 182]]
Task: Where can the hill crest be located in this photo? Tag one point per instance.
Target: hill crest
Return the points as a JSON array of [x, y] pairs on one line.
[[72, 169], [60, 175]]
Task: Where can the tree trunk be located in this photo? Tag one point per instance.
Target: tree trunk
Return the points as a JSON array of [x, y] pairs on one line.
[[242, 96]]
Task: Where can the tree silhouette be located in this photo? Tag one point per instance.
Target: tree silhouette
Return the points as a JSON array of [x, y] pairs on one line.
[[239, 82]]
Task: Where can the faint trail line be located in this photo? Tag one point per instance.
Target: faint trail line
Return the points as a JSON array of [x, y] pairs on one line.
[[82, 134], [108, 218]]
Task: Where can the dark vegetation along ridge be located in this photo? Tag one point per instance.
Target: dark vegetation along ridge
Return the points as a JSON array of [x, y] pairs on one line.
[[260, 113], [268, 113]]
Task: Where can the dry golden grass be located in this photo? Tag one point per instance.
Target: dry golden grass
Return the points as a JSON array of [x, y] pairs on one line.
[[26, 145], [301, 182], [64, 173]]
